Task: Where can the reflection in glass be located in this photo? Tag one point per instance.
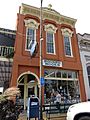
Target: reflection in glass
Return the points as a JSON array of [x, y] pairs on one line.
[[69, 90]]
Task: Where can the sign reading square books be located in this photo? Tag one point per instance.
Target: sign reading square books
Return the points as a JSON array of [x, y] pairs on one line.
[[52, 63]]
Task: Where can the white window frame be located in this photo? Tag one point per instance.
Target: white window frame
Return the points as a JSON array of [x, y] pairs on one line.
[[67, 33], [69, 46], [49, 28], [53, 44], [30, 24], [26, 36]]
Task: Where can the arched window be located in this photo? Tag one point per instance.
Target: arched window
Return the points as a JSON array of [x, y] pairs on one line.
[[50, 38], [31, 26], [67, 34]]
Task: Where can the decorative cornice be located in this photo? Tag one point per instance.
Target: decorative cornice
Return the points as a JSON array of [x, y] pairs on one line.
[[67, 32], [84, 42], [47, 14], [31, 23], [50, 28], [67, 20], [84, 47]]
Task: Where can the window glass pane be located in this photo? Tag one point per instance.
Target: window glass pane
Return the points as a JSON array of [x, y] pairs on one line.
[[75, 75], [58, 74], [89, 80], [69, 74], [69, 91], [50, 48], [67, 45], [50, 43], [30, 37], [49, 37], [46, 72], [88, 71], [64, 74]]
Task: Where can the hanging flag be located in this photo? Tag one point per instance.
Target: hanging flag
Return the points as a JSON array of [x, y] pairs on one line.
[[32, 47], [30, 44]]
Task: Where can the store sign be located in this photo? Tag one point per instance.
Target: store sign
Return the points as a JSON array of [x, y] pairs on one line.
[[52, 63]]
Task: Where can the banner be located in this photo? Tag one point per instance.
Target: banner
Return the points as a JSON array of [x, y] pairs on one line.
[[32, 47]]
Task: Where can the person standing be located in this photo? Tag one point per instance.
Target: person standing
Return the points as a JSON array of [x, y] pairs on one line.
[[58, 99]]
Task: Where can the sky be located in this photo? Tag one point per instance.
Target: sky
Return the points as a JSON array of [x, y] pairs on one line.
[[77, 9]]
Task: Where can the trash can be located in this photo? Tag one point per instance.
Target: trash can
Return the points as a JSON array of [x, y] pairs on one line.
[[33, 108]]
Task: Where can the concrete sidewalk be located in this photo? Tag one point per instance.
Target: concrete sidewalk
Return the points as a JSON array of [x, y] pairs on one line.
[[59, 116]]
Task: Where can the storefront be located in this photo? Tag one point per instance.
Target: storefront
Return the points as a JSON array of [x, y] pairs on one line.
[[61, 65], [65, 82]]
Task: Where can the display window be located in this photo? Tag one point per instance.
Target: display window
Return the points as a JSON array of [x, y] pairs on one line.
[[65, 83]]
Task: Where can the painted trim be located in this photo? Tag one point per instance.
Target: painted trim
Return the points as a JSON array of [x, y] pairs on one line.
[[49, 14], [31, 23], [28, 72], [53, 43], [27, 35], [50, 28], [67, 33], [63, 79]]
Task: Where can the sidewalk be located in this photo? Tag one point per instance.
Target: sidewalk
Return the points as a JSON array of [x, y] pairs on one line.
[[58, 116]]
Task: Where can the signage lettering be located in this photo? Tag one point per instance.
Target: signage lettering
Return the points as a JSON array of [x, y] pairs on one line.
[[52, 63]]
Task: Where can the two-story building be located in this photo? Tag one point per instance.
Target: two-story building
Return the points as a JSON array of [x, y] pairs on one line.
[[61, 65]]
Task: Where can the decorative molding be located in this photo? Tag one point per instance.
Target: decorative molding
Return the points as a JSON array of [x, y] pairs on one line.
[[47, 13], [67, 20], [84, 47], [31, 23], [67, 32], [50, 28], [87, 58], [84, 42]]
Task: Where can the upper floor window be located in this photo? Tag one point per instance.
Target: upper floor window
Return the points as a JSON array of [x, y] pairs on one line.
[[50, 38], [30, 38], [6, 51], [67, 46], [67, 41], [50, 43], [88, 71], [31, 26]]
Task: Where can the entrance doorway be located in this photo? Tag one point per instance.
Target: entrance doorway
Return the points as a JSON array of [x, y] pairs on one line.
[[28, 83]]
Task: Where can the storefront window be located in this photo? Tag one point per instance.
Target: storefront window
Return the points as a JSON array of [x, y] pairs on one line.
[[64, 74], [60, 74], [75, 75], [63, 81], [69, 74], [69, 90]]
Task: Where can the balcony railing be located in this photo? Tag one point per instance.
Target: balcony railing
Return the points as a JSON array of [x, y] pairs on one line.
[[6, 52]]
